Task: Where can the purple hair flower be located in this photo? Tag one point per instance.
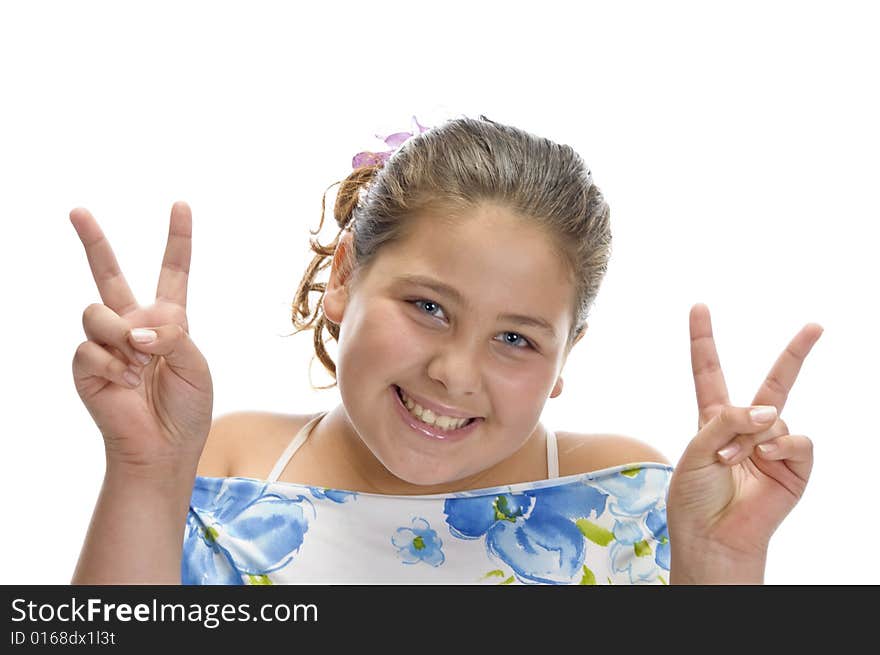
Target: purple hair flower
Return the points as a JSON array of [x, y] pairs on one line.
[[394, 141]]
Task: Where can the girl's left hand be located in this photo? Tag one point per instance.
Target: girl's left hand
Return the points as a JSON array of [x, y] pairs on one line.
[[730, 507]]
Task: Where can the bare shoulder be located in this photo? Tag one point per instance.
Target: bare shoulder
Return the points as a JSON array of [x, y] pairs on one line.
[[582, 453], [241, 443]]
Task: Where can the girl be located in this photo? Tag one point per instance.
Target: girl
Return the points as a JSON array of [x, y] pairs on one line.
[[466, 263]]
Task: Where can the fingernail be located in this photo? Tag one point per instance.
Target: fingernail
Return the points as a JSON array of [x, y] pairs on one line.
[[142, 335], [767, 447], [763, 414], [143, 358], [729, 451]]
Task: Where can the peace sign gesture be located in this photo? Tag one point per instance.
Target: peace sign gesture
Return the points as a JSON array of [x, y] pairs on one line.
[[152, 401], [742, 473]]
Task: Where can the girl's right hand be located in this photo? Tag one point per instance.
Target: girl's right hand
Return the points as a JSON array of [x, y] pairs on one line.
[[160, 423]]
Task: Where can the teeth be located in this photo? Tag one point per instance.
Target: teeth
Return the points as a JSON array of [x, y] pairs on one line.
[[429, 417]]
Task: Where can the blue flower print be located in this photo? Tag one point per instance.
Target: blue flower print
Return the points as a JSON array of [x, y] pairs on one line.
[[635, 491], [260, 532], [419, 544], [638, 500], [635, 560], [534, 532], [630, 552], [656, 522], [627, 532], [204, 562], [336, 495], [471, 518]]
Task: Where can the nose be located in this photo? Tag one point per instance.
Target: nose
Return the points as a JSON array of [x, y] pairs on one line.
[[456, 366]]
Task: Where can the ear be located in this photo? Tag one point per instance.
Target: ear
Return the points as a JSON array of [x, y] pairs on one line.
[[557, 388], [576, 339], [581, 335], [336, 293]]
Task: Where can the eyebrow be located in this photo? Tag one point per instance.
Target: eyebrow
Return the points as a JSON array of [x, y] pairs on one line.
[[459, 298]]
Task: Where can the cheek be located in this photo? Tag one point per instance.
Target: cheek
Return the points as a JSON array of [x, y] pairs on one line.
[[376, 337], [520, 392]]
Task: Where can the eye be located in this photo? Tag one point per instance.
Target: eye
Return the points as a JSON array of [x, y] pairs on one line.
[[427, 303], [520, 339]]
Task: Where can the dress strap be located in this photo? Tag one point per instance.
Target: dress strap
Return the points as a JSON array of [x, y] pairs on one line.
[[552, 456], [293, 446]]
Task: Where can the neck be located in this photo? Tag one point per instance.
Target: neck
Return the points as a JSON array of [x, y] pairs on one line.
[[335, 439]]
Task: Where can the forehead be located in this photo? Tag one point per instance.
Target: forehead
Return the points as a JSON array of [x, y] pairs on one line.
[[498, 261]]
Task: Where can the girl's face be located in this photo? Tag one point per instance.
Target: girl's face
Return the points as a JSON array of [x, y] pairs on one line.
[[462, 349]]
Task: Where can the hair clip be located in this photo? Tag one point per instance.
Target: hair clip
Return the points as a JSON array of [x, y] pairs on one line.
[[394, 141]]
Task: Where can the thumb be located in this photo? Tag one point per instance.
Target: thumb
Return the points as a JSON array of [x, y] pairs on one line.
[[174, 344], [722, 429]]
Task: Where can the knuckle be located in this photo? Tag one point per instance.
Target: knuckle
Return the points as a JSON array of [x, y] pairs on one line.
[[778, 429], [781, 441], [126, 331], [114, 367], [774, 384], [728, 416], [80, 354], [794, 355], [704, 418], [90, 312]]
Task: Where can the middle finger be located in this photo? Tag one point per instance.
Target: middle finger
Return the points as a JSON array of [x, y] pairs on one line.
[[779, 381], [174, 276]]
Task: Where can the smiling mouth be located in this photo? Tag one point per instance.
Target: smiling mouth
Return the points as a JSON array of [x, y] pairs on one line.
[[397, 390]]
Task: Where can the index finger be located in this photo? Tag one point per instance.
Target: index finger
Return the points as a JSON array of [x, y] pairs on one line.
[[114, 290], [708, 377], [174, 276], [779, 381]]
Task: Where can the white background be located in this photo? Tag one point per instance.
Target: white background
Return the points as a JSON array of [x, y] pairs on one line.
[[737, 146]]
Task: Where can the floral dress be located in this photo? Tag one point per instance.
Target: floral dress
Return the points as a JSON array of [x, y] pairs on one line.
[[602, 527]]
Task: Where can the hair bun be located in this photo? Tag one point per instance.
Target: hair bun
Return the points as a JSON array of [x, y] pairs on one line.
[[349, 194]]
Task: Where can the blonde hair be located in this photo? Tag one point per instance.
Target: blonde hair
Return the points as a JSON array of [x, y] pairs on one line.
[[458, 166]]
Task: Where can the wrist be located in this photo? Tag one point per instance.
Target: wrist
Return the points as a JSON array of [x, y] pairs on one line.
[[136, 534], [170, 477], [714, 564]]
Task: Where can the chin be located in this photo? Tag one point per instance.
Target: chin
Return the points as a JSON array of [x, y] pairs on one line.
[[420, 478], [424, 477]]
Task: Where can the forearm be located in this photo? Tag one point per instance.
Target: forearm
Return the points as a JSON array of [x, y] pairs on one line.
[[707, 566], [136, 532]]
